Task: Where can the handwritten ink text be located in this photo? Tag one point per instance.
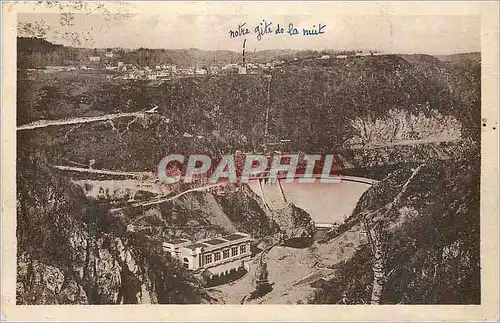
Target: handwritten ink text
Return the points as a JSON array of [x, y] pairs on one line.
[[314, 31], [263, 28], [241, 31], [267, 28]]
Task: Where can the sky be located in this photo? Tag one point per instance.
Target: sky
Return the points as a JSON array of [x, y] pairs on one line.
[[436, 34]]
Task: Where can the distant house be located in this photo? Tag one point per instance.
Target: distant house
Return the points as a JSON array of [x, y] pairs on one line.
[[230, 66], [130, 76], [94, 59], [341, 56], [325, 57], [162, 74], [242, 70], [121, 66], [171, 68], [252, 70], [186, 71], [55, 68], [200, 71], [109, 54]]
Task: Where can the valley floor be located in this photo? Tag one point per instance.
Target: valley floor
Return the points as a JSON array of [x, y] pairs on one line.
[[292, 270]]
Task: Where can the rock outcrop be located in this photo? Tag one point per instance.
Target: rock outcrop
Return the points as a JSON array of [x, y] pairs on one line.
[[426, 221], [71, 251], [294, 222]]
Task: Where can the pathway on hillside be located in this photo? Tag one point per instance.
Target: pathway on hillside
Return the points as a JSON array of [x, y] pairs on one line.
[[207, 187], [163, 199], [103, 171], [167, 199], [408, 143], [62, 122]]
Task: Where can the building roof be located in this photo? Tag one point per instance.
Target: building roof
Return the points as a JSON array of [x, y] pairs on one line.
[[177, 241], [234, 236], [215, 241], [211, 243], [196, 245]]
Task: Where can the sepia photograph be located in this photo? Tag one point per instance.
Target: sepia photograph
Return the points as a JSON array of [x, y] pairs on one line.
[[248, 157]]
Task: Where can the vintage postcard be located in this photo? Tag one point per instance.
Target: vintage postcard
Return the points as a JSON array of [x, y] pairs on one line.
[[321, 158]]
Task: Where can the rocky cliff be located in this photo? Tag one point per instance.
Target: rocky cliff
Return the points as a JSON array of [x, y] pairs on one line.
[[320, 105], [72, 250], [294, 222], [428, 220], [199, 215]]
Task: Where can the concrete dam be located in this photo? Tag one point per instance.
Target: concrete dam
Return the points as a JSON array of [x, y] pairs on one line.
[[327, 203]]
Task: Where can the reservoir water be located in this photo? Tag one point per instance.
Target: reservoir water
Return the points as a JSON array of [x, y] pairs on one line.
[[327, 203]]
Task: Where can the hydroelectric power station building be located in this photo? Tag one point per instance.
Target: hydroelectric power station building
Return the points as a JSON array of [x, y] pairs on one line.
[[219, 255]]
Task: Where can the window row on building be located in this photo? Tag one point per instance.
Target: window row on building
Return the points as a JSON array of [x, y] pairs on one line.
[[226, 253]]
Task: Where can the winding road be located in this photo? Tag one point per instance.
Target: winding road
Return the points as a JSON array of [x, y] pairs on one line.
[[62, 122], [145, 175], [141, 175], [167, 199]]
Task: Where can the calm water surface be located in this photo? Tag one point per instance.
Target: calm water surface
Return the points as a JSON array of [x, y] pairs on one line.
[[324, 202]]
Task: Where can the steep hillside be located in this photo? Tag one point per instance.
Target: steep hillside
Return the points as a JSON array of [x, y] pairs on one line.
[[382, 117], [330, 106], [316, 101], [37, 52], [74, 251], [71, 252], [200, 215], [431, 245]]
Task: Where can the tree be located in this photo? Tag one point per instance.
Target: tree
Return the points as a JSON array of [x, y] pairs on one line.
[[376, 224]]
